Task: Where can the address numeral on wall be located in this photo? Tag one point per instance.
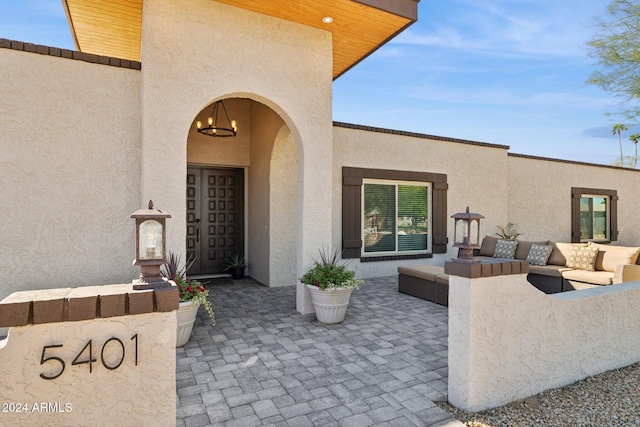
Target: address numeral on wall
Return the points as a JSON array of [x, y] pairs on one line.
[[85, 356]]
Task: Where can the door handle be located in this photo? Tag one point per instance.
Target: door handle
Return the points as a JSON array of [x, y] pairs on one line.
[[197, 229]]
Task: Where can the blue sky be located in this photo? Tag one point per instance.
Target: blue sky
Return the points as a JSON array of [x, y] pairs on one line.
[[508, 72]]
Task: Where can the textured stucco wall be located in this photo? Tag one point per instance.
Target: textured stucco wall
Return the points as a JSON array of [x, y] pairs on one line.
[[127, 396], [281, 64], [508, 341], [69, 171], [264, 128], [476, 177], [540, 197], [283, 210]]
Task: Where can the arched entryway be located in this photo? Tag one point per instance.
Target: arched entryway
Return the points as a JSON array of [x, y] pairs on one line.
[[242, 194]]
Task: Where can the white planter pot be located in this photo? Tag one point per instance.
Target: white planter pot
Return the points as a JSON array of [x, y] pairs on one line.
[[186, 315], [330, 305]]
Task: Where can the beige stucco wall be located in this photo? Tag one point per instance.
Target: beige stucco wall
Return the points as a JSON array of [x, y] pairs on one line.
[[265, 126], [69, 171], [283, 210], [508, 340], [540, 197], [476, 177], [281, 64]]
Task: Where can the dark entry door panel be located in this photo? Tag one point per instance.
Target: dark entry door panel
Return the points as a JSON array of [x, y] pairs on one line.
[[215, 217]]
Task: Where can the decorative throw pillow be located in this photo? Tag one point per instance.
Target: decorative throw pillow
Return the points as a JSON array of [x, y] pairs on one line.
[[539, 254], [583, 258], [505, 249]]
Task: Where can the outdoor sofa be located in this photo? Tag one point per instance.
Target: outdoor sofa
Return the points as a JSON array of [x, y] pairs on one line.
[[610, 264]]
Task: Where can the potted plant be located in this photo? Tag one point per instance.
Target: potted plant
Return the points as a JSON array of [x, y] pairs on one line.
[[236, 265], [192, 295], [330, 284]]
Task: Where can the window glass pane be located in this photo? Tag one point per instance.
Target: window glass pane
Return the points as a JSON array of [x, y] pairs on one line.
[[473, 239], [412, 218], [599, 218], [150, 243], [379, 218], [594, 218], [586, 223]]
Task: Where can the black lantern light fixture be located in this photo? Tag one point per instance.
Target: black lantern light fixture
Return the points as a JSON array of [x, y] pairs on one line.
[[466, 235], [218, 128], [151, 238]]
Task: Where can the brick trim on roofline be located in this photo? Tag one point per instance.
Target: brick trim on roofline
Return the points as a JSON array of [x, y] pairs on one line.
[[69, 54], [571, 162], [417, 135]]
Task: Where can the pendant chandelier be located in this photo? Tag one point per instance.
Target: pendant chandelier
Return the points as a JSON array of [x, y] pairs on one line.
[[218, 128]]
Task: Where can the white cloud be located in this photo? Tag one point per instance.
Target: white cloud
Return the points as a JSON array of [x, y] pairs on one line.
[[500, 28]]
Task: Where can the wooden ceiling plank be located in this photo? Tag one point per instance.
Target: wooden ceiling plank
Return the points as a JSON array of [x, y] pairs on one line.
[[358, 29]]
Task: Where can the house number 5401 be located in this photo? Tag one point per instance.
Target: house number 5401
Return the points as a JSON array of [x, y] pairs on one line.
[[85, 356]]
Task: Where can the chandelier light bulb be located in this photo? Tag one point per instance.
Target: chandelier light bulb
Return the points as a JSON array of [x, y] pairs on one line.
[[199, 124], [234, 125], [210, 120]]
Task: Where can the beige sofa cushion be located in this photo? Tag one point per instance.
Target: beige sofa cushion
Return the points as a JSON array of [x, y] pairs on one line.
[[609, 257], [443, 279], [548, 270], [426, 272], [560, 253], [595, 277], [488, 246]]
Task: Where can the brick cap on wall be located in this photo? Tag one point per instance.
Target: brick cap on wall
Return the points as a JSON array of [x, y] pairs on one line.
[[486, 268], [69, 54], [85, 303]]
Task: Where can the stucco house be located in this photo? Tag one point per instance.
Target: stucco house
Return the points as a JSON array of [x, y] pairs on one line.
[[88, 136]]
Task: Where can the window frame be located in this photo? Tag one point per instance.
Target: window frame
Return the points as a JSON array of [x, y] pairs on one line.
[[578, 193], [396, 184], [352, 242]]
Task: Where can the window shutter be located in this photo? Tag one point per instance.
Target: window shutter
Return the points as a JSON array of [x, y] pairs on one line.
[[614, 217], [576, 193], [439, 217], [351, 211]]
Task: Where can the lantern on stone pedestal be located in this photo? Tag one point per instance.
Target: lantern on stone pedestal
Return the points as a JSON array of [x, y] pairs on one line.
[[151, 237], [466, 235]]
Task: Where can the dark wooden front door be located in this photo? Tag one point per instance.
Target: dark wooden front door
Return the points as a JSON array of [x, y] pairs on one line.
[[215, 217]]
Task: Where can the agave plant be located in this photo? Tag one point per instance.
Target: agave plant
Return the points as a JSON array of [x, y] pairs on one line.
[[508, 232], [172, 268], [188, 289]]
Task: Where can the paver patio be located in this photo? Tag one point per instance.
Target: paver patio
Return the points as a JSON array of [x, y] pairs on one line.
[[265, 364]]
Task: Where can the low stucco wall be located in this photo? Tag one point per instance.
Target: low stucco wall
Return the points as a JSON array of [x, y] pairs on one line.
[[118, 369], [508, 341], [70, 171]]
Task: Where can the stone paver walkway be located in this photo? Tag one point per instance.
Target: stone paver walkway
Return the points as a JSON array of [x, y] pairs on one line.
[[265, 364]]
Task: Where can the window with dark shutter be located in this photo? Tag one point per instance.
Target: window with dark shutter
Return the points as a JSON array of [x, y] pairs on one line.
[[388, 214], [594, 215]]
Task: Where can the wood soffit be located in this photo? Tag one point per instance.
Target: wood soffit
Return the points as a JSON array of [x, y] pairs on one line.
[[113, 27]]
